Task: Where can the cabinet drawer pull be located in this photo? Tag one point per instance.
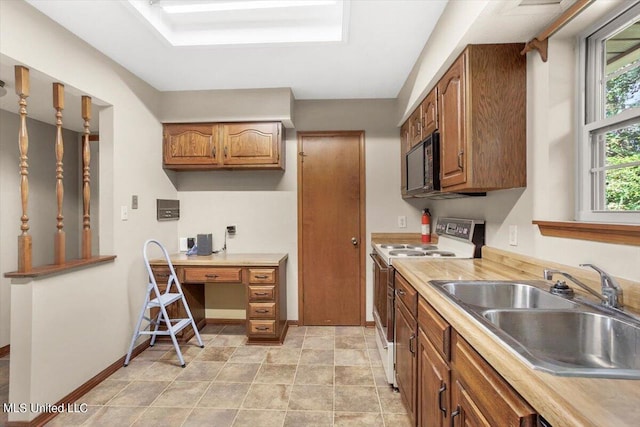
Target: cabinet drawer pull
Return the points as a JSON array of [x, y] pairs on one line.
[[440, 392], [211, 276], [454, 414], [262, 310], [261, 294], [262, 328], [261, 276], [412, 339]]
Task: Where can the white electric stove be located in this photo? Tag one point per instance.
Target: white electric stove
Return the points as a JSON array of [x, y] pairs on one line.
[[457, 239]]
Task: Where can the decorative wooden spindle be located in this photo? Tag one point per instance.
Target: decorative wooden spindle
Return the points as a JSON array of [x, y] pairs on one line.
[[59, 241], [24, 239], [86, 190]]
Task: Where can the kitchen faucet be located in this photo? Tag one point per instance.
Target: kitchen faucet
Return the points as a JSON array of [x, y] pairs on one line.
[[611, 290]]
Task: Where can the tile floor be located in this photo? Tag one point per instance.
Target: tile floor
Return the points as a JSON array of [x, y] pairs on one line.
[[321, 376]]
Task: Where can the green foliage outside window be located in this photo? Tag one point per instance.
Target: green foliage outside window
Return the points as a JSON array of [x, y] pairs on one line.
[[623, 145]]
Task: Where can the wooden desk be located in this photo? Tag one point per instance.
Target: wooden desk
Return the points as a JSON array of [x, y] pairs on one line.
[[263, 275]]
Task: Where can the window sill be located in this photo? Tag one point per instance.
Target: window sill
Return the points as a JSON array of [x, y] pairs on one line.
[[52, 269], [624, 234]]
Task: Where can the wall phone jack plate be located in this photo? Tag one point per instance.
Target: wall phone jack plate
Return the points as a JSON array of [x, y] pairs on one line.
[[231, 230]]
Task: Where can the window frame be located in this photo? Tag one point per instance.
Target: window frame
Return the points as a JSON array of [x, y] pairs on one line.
[[591, 117]]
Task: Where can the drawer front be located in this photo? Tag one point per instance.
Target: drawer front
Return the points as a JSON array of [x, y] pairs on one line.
[[262, 293], [262, 275], [407, 294], [435, 328], [262, 327], [161, 275], [262, 310], [218, 274]]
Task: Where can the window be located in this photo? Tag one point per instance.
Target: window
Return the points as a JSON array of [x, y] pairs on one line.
[[609, 145]]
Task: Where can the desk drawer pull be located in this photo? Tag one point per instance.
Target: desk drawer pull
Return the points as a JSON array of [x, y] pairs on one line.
[[263, 311], [211, 276], [262, 294], [263, 328], [261, 276]]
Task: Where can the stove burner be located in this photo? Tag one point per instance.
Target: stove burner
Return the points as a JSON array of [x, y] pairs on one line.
[[393, 246], [439, 254], [424, 247], [406, 253]]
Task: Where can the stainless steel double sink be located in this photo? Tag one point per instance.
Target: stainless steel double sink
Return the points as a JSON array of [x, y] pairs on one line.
[[553, 334]]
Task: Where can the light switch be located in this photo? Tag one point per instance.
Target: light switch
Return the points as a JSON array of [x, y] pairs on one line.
[[513, 235], [134, 202], [402, 221], [124, 213]]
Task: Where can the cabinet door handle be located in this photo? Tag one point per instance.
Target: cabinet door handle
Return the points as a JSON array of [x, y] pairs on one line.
[[211, 276], [412, 339], [440, 392], [261, 276], [454, 414], [225, 151], [213, 151], [460, 154], [400, 292]]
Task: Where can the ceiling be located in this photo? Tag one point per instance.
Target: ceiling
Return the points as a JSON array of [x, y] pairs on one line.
[[382, 39]]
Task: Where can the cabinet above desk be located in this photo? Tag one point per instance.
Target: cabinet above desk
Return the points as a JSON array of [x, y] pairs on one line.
[[263, 275]]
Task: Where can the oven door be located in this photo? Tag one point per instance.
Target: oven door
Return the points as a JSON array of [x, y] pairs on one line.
[[380, 271], [388, 328]]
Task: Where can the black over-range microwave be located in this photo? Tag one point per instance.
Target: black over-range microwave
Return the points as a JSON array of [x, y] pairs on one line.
[[423, 166]]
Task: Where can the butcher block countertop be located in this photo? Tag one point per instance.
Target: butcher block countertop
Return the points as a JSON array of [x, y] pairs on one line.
[[563, 401], [223, 259]]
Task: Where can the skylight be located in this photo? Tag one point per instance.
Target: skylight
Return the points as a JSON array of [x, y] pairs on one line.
[[244, 22]]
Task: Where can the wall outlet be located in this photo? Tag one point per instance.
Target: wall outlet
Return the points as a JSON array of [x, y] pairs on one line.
[[134, 202], [231, 230], [124, 213], [513, 235], [402, 221]]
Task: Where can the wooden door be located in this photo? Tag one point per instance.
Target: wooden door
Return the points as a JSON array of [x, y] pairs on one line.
[[251, 143], [452, 124], [433, 385], [331, 255], [405, 340], [466, 411], [193, 144]]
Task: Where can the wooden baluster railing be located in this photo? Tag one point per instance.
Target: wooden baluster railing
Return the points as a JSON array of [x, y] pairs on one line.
[[86, 190], [24, 239], [59, 241]]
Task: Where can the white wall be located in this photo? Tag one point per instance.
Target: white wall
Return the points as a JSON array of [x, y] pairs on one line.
[[67, 328]]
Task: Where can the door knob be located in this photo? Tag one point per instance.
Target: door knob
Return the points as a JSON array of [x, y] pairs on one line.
[[354, 241]]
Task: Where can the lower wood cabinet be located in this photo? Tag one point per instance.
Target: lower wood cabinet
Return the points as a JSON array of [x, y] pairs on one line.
[[443, 381]]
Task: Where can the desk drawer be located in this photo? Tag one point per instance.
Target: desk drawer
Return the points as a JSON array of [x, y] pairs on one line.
[[262, 293], [262, 327], [262, 275], [161, 274], [265, 310], [218, 274]]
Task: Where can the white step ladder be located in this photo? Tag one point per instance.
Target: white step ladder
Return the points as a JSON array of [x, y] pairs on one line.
[[155, 299]]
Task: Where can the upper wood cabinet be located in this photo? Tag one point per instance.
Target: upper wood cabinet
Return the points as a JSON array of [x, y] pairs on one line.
[[189, 146], [430, 113], [415, 127], [482, 119], [405, 145]]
